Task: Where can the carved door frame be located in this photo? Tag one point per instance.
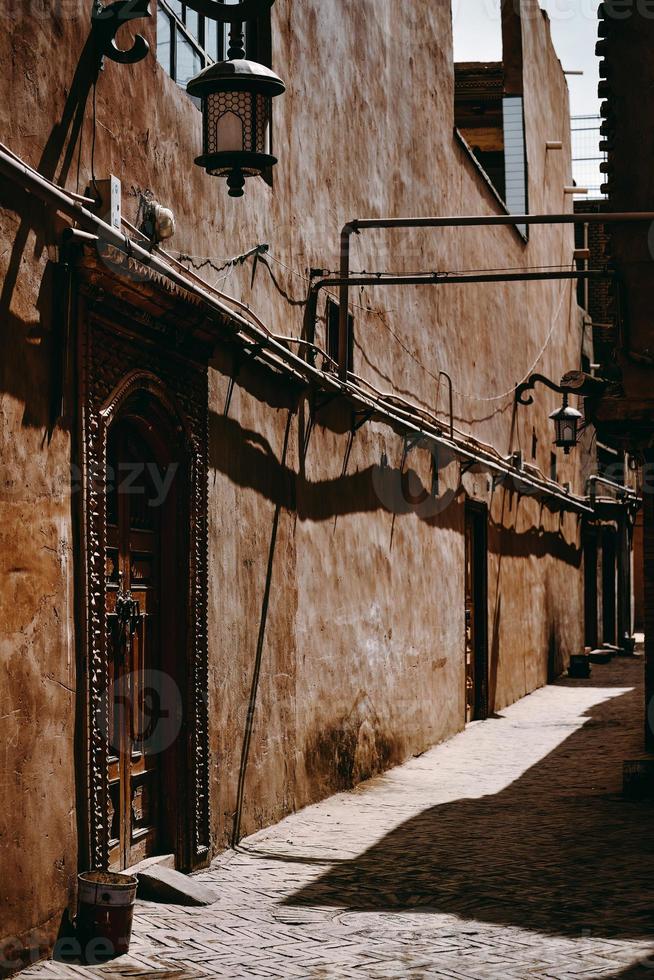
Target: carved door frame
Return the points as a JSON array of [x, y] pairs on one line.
[[114, 364]]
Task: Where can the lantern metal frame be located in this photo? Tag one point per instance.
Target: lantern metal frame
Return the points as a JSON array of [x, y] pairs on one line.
[[236, 75], [562, 417]]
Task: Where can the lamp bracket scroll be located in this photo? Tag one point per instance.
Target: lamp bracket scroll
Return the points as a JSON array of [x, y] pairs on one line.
[[572, 383], [107, 21]]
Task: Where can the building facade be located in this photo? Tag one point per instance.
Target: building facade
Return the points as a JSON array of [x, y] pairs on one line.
[[330, 577], [624, 416]]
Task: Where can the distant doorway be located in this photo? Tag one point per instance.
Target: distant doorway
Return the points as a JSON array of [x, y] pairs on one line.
[[476, 612], [591, 609], [609, 590]]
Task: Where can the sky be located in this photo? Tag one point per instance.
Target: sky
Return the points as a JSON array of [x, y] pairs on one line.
[[574, 32]]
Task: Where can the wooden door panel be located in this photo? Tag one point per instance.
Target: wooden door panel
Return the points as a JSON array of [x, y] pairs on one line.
[[133, 558]]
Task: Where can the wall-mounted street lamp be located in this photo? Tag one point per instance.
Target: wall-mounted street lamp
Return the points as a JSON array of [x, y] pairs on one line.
[[236, 94], [567, 420]]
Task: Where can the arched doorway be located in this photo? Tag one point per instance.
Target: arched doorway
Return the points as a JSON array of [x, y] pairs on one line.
[[146, 589], [143, 399]]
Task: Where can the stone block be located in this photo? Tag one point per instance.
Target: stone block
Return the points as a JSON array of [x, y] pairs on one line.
[[158, 883]]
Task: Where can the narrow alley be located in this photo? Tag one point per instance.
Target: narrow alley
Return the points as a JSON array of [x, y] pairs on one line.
[[506, 852]]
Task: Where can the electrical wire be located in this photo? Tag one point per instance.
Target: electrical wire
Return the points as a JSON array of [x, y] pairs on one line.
[[530, 370], [435, 377], [199, 262], [93, 136]]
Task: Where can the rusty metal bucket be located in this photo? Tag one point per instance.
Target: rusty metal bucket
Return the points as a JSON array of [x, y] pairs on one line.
[[105, 908]]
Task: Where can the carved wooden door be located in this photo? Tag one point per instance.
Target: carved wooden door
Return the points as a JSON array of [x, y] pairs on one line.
[[133, 576]]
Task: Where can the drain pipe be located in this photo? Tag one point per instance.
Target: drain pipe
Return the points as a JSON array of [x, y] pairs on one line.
[[444, 374], [456, 221]]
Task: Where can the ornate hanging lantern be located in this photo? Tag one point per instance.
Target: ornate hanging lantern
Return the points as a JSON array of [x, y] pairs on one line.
[[236, 111]]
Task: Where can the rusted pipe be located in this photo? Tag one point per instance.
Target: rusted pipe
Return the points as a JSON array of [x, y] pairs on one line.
[[620, 490], [483, 220], [453, 221]]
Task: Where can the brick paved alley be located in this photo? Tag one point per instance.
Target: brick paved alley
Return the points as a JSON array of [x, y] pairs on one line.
[[506, 852]]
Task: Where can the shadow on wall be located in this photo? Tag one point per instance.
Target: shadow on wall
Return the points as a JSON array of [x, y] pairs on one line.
[[556, 852], [248, 460], [639, 971], [31, 368]]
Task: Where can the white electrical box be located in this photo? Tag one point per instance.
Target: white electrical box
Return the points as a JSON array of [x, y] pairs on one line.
[[109, 206]]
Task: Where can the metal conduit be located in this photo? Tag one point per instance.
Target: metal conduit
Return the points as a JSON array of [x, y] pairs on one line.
[[270, 350], [620, 490], [455, 221]]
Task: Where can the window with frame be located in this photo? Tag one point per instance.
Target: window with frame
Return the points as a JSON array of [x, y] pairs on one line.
[[488, 96], [187, 41]]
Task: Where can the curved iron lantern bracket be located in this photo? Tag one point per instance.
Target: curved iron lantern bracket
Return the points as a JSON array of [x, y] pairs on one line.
[[572, 383], [230, 13], [107, 21], [531, 384]]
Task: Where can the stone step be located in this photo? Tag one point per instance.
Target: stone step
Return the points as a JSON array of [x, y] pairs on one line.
[[157, 883], [167, 860]]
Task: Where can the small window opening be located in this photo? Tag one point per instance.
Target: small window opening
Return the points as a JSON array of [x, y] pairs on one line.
[[333, 339]]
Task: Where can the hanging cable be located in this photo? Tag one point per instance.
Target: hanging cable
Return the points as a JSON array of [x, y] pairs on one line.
[[93, 136]]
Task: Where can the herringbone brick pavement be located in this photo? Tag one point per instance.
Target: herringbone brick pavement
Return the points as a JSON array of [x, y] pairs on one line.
[[505, 853]]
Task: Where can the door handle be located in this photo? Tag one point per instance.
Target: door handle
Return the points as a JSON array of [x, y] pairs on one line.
[[128, 617]]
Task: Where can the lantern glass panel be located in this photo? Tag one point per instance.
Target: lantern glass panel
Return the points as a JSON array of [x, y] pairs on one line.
[[236, 122], [568, 434], [229, 132]]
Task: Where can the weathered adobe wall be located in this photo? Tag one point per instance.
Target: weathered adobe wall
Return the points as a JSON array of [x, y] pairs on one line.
[[363, 649]]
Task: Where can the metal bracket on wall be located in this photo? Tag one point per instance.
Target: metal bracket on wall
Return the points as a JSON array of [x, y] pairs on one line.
[[230, 13], [252, 351], [107, 21], [320, 401], [410, 442], [359, 419], [573, 383]]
